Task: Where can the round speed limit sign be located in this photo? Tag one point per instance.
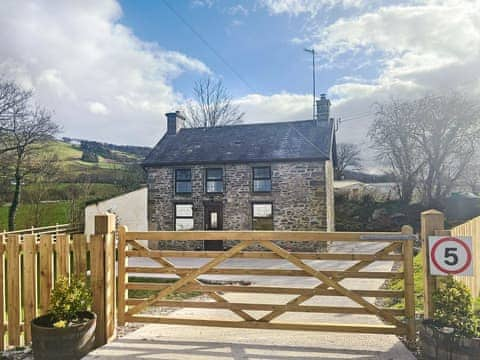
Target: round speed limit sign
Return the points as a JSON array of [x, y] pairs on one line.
[[450, 255]]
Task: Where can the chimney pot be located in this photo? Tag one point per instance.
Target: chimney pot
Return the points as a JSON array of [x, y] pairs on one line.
[[175, 122]]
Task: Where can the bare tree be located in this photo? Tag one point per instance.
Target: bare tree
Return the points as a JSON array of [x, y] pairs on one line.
[[77, 195], [41, 171], [471, 175], [24, 127], [392, 135], [348, 156], [13, 100], [447, 134], [212, 106], [428, 142]]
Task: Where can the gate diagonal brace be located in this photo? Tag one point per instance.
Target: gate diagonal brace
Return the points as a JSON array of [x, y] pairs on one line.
[[214, 296], [329, 282], [302, 298], [190, 277]]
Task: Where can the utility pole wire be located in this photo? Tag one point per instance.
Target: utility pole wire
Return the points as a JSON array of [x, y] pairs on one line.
[[312, 51], [207, 44]]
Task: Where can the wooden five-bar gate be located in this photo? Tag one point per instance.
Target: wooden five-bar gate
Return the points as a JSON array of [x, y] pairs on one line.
[[389, 247]]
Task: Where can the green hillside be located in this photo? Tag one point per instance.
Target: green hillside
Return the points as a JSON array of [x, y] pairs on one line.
[[61, 199], [71, 156], [111, 164]]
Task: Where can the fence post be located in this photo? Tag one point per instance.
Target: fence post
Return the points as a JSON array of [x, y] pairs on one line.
[[13, 288], [432, 221], [409, 286], [3, 280], [102, 254]]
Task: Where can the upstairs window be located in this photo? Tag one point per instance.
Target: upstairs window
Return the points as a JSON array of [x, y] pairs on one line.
[[214, 180], [183, 217], [262, 179], [183, 181], [262, 216]]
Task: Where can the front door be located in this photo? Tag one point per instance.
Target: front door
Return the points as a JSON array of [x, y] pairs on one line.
[[213, 221]]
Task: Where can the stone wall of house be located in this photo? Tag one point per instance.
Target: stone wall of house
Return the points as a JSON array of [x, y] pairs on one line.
[[298, 195]]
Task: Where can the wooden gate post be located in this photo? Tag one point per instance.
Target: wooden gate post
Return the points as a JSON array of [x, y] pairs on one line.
[[102, 250], [432, 221]]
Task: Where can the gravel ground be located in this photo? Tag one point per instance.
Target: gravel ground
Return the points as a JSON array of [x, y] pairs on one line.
[[23, 353], [152, 310]]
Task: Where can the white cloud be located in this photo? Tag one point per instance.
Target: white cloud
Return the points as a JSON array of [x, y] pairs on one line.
[[85, 65], [419, 47], [428, 46], [299, 41], [445, 28], [202, 3], [236, 22], [278, 107], [237, 9], [98, 108], [311, 7]]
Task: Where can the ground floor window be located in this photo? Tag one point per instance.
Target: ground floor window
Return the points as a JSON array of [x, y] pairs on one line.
[[262, 216], [183, 217]]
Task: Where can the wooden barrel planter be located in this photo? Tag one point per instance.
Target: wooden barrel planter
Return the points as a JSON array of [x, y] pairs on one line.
[[73, 342], [438, 345]]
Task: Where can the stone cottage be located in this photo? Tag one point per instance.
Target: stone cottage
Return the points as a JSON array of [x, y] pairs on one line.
[[269, 176]]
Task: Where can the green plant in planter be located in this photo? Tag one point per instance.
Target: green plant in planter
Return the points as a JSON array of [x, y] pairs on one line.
[[68, 300], [453, 305], [476, 307]]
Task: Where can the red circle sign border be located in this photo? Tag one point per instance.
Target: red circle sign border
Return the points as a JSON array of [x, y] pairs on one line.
[[467, 250]]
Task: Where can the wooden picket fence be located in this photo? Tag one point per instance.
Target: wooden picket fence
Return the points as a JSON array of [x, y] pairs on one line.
[[30, 264], [52, 229], [471, 228]]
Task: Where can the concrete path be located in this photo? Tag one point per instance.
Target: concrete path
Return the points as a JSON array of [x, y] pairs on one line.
[[195, 342]]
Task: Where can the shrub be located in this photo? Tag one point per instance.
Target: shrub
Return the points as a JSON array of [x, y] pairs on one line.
[[453, 305], [68, 300], [476, 307], [89, 156]]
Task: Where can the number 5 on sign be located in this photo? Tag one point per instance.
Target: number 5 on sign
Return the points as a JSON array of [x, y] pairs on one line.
[[450, 255]]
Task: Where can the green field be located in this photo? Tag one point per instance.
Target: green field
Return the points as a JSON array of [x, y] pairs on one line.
[[51, 214], [63, 191], [70, 157]]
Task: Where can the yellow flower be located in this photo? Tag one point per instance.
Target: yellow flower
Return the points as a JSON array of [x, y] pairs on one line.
[[60, 324]]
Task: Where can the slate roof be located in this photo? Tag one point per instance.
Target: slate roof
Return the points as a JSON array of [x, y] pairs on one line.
[[281, 141]]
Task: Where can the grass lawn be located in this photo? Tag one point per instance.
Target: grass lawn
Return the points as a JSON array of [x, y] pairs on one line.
[[50, 214], [141, 294], [397, 284]]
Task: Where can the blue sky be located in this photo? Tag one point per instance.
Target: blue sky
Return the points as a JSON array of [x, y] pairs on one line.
[[111, 69], [259, 46]]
